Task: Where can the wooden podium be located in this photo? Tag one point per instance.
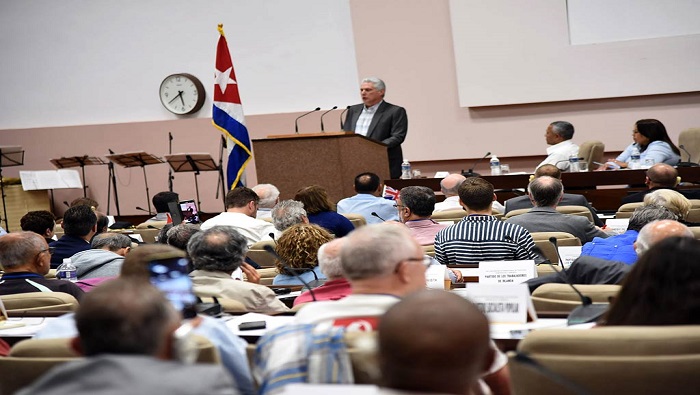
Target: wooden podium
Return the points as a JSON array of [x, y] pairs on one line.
[[331, 160]]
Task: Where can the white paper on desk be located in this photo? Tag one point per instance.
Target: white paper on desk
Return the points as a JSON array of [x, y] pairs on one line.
[[501, 303], [441, 174], [50, 179], [506, 272], [616, 226], [569, 254]]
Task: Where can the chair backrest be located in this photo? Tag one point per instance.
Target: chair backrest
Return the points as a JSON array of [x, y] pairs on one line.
[[455, 215], [227, 305], [19, 372], [561, 297], [147, 235], [44, 303], [626, 210], [571, 210], [611, 360], [591, 151], [257, 253], [694, 215], [563, 239], [690, 139], [356, 219], [696, 231], [429, 250]]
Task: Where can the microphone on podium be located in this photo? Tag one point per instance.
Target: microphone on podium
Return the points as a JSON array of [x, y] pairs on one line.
[[296, 121], [334, 107], [341, 116], [470, 172], [66, 203], [143, 209]]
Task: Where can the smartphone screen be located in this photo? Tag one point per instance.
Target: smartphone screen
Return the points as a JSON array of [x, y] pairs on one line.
[[170, 277], [189, 211]]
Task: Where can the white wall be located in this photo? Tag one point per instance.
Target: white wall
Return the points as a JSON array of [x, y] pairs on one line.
[[80, 62]]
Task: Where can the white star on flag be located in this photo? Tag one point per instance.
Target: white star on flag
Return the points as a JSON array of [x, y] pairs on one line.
[[223, 79]]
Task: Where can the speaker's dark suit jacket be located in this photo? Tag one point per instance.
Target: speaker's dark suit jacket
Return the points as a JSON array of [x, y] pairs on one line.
[[389, 125], [569, 199]]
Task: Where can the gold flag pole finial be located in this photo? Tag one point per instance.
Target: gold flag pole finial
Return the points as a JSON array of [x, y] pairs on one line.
[[221, 29]]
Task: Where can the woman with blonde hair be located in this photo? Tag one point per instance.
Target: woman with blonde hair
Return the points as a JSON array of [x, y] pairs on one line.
[[672, 200], [298, 249]]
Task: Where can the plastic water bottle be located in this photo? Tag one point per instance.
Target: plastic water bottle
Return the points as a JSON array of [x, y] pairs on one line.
[[495, 166], [573, 163], [67, 271], [634, 160], [405, 170]]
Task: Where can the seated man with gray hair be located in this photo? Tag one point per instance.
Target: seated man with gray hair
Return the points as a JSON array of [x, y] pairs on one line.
[[337, 286], [216, 253], [287, 213], [558, 135], [128, 336], [105, 258], [269, 196]]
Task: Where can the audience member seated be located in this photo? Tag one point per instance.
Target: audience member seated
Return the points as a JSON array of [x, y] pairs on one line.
[[321, 211], [216, 253], [590, 270], [652, 142], [558, 135], [659, 176], [480, 236], [162, 237], [160, 204], [368, 200], [545, 193], [621, 247], [568, 199], [178, 236], [298, 248], [429, 350], [25, 257], [41, 222], [128, 336], [231, 348], [287, 213], [105, 258], [663, 288], [241, 207], [79, 225], [415, 205], [336, 287], [449, 186], [383, 263], [672, 200], [269, 196]]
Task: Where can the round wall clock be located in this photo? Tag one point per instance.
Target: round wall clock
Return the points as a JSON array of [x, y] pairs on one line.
[[182, 93]]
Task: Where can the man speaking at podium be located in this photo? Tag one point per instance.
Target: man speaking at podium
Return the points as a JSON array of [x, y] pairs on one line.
[[379, 120]]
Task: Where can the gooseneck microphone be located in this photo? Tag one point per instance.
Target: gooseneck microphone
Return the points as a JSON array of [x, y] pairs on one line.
[[334, 107], [272, 236], [143, 209], [296, 121], [539, 258], [470, 172], [294, 273], [66, 203], [374, 214], [690, 162], [588, 311], [341, 116]]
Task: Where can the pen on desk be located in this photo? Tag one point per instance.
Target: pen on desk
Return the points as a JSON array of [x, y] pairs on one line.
[[598, 163]]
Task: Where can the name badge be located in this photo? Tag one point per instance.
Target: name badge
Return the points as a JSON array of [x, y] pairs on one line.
[[506, 272], [569, 254], [436, 277]]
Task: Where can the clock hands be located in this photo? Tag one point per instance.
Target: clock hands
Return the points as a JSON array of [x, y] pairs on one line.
[[179, 94], [181, 99]]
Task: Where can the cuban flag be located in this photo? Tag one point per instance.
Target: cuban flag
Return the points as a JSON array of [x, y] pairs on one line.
[[227, 115]]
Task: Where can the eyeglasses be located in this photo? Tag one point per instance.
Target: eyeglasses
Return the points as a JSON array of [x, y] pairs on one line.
[[50, 250], [426, 260], [399, 206]]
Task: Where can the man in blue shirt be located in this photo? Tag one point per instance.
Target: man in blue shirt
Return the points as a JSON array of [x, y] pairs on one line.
[[367, 201]]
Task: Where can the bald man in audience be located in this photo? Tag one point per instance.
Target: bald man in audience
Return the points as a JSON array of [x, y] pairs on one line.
[[128, 337], [429, 350], [591, 270], [337, 286], [269, 196], [449, 186], [569, 199], [660, 176], [25, 257]]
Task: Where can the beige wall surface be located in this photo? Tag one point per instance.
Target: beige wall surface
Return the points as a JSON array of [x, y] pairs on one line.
[[406, 42]]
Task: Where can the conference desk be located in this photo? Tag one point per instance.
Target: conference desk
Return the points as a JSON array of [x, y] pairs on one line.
[[603, 189]]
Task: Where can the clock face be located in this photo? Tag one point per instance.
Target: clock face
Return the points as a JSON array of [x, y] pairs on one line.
[[182, 94]]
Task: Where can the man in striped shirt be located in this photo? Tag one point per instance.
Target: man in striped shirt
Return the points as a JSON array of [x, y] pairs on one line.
[[480, 236]]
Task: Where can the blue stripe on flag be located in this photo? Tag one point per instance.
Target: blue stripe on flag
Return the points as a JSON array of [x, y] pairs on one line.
[[239, 154]]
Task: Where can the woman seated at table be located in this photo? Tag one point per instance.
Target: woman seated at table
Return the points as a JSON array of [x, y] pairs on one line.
[[652, 142], [663, 287], [298, 248], [321, 211]]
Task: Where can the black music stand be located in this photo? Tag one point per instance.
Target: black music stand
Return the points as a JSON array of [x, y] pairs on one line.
[[192, 162], [9, 156], [78, 161], [133, 159]]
